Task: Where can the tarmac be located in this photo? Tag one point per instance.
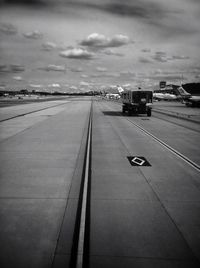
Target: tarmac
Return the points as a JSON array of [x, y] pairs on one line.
[[140, 216], [177, 109]]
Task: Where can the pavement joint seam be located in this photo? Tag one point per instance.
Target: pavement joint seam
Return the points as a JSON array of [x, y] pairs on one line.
[[69, 198]]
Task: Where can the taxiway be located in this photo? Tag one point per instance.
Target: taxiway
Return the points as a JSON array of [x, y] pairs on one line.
[[136, 215]]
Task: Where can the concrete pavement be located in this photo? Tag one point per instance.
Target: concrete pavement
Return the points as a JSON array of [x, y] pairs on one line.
[[38, 164], [177, 109], [141, 216]]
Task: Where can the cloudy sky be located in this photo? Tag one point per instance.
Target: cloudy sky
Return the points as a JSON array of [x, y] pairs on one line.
[[80, 44]]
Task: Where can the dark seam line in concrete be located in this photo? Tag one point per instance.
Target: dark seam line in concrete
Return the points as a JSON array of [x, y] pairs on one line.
[[74, 245], [86, 248], [74, 249], [19, 115], [77, 229]]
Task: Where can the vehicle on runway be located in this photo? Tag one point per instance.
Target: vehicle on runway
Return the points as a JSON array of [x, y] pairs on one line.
[[137, 101], [188, 99]]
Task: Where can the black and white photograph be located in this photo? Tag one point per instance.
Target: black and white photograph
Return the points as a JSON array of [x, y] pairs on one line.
[[99, 133]]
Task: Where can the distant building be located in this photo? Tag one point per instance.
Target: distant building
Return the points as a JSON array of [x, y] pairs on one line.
[[163, 84]]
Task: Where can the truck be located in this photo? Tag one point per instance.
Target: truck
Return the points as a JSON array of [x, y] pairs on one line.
[[137, 102]]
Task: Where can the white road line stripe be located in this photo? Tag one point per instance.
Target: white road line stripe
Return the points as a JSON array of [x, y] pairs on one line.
[[79, 263], [183, 157]]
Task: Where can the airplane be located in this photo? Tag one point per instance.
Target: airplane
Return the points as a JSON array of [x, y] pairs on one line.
[[164, 96], [120, 89], [187, 98], [113, 96]]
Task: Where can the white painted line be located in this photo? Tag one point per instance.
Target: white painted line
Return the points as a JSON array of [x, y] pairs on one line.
[[181, 156], [79, 262], [138, 161]]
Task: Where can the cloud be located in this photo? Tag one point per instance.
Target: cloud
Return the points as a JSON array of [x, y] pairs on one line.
[[27, 2], [118, 40], [35, 85], [127, 72], [17, 68], [170, 18], [73, 88], [194, 70], [175, 77], [137, 8], [83, 83], [76, 69], [111, 52], [18, 78], [64, 47], [160, 56], [48, 46], [7, 28], [84, 76], [12, 68], [33, 35], [145, 50], [126, 85], [159, 75], [161, 53], [101, 41], [112, 75], [179, 57], [103, 74], [53, 67], [94, 39], [101, 69], [77, 53], [57, 85], [144, 60], [4, 68], [157, 72]]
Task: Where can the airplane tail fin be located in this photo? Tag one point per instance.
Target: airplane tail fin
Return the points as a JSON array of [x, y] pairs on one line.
[[120, 89], [180, 91]]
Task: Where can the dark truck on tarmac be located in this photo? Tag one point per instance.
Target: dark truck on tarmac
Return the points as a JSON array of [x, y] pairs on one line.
[[137, 102]]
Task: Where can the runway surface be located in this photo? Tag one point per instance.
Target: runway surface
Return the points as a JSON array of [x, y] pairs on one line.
[[83, 186]]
